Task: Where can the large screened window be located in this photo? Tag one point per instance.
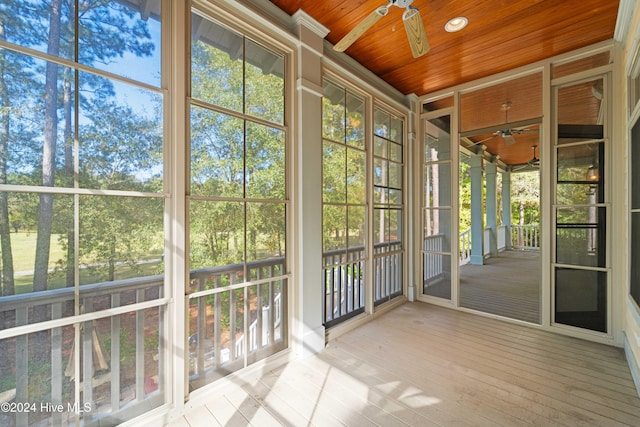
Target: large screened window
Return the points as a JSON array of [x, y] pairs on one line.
[[635, 213], [388, 194], [82, 200], [237, 202], [344, 203], [436, 208], [581, 206]]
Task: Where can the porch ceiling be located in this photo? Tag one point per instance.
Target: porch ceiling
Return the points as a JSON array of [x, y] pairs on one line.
[[501, 35]]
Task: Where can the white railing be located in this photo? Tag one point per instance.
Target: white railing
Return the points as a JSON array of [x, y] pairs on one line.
[[525, 237], [235, 322], [387, 271], [118, 381], [465, 247], [432, 262], [486, 243], [465, 243], [343, 281], [254, 330], [502, 237]]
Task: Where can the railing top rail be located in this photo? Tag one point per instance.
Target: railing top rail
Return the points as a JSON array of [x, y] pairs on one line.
[[232, 268], [50, 296], [67, 294], [354, 249]]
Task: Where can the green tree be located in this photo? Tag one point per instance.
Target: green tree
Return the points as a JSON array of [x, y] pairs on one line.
[[525, 197], [237, 161], [106, 31]]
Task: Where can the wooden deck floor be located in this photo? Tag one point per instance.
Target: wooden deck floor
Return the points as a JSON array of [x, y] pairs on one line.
[[424, 365], [507, 285]]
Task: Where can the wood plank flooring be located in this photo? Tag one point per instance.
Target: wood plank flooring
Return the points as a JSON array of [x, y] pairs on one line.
[[507, 285], [425, 365]]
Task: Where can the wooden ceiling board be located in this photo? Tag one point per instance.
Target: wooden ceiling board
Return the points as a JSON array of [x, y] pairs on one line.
[[501, 35]]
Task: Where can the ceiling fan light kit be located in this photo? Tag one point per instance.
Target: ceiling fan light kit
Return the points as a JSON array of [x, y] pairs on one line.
[[412, 24]]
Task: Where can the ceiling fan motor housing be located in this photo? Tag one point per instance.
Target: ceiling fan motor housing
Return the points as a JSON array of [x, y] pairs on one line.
[[401, 3]]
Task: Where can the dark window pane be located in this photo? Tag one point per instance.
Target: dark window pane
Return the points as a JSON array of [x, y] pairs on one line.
[[580, 236], [635, 166], [635, 257], [581, 298]]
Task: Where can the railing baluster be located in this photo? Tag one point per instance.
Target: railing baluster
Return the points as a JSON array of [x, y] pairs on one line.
[[56, 363], [273, 313], [115, 355], [217, 314], [259, 320], [22, 367], [87, 357], [140, 374], [201, 326], [232, 319], [332, 293]]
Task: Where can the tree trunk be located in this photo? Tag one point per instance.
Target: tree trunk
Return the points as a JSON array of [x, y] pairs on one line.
[[112, 261], [7, 285], [69, 175], [42, 340], [521, 241], [7, 279], [45, 213]]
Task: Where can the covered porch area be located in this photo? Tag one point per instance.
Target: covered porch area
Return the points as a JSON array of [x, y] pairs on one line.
[[426, 365], [506, 285]]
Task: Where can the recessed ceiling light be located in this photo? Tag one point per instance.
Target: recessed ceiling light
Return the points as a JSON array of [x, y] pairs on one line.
[[456, 24]]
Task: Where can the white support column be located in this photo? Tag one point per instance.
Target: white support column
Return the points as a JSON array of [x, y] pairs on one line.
[[477, 232], [175, 369], [492, 208], [308, 332], [506, 208], [412, 209]]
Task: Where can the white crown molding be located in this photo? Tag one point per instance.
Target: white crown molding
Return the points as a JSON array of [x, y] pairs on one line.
[[302, 18], [626, 10]]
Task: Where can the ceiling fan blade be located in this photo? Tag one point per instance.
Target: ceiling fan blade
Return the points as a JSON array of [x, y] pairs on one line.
[[415, 32], [360, 29], [484, 140]]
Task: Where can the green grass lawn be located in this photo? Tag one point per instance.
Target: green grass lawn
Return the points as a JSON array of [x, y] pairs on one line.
[[23, 246]]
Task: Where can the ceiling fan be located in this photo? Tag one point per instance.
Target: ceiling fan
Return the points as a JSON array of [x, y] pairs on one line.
[[412, 25], [533, 163], [508, 134]]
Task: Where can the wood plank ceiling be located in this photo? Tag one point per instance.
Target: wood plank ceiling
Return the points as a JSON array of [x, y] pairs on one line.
[[501, 35]]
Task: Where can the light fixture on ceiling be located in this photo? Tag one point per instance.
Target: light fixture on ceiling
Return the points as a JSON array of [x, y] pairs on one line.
[[509, 139], [593, 175], [456, 24]]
